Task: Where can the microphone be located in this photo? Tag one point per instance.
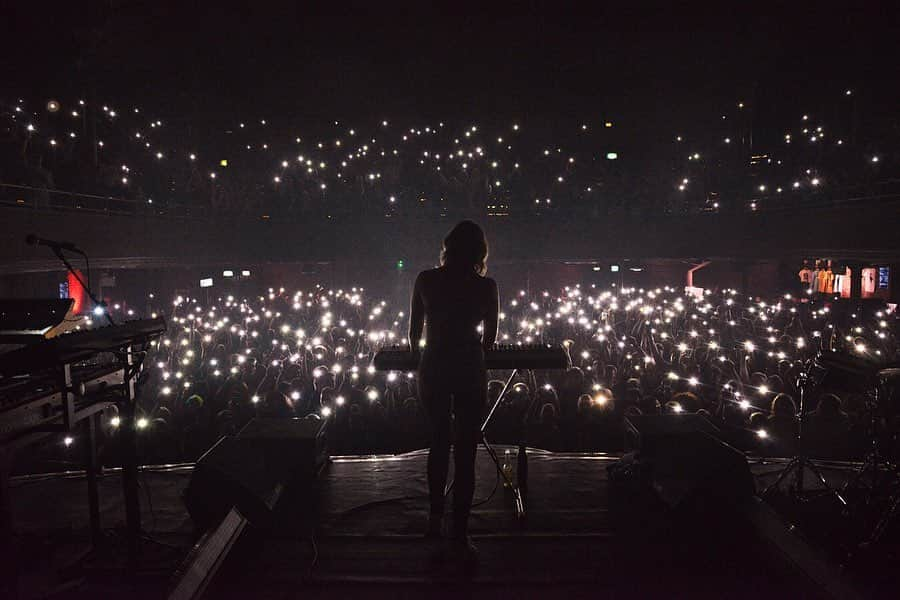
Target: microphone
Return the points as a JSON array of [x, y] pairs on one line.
[[33, 240]]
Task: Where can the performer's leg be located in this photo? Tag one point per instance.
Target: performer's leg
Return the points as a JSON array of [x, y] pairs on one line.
[[468, 406], [436, 404]]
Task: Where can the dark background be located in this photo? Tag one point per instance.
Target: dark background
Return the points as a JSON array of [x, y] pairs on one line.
[[655, 69]]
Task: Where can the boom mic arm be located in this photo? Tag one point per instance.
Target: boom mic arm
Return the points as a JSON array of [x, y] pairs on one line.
[[33, 240]]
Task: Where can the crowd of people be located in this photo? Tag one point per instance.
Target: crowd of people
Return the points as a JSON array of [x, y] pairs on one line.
[[276, 168], [733, 358]]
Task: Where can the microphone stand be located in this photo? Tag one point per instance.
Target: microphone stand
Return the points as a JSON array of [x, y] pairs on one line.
[[59, 254], [802, 460]]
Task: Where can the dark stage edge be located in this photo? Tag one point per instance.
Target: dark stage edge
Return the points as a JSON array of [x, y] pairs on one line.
[[358, 531]]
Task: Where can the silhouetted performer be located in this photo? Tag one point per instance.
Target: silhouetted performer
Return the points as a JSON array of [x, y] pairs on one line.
[[451, 302]]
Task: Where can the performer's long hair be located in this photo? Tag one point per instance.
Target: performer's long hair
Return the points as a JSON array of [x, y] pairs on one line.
[[466, 247]]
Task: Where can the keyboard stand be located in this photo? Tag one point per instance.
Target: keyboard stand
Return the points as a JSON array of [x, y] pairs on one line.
[[520, 486]]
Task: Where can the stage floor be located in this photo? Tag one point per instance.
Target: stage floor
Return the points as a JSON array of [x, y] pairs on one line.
[[360, 532]]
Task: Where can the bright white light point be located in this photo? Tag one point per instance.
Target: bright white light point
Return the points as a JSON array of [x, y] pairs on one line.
[[115, 421], [339, 400], [693, 381], [372, 395], [68, 440], [326, 411], [254, 399], [142, 423], [761, 433]]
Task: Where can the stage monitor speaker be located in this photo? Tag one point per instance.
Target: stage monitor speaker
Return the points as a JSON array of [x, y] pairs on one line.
[[683, 462], [293, 449], [230, 474], [647, 433]]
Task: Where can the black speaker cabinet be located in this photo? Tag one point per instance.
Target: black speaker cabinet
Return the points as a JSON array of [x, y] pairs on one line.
[[292, 448], [231, 474], [684, 462]]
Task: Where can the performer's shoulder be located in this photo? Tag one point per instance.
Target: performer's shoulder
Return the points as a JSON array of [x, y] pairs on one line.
[[426, 276]]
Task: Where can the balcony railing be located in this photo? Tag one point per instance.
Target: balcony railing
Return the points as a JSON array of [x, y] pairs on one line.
[[882, 195]]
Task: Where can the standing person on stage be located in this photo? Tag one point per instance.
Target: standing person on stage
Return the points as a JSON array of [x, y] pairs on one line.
[[451, 301]]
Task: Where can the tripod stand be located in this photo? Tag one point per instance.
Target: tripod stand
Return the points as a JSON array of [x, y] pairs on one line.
[[882, 473], [876, 464], [801, 461]]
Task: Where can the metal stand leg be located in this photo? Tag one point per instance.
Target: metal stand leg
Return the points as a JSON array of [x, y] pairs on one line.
[[520, 486], [487, 419], [797, 465], [884, 521], [90, 468], [128, 438]]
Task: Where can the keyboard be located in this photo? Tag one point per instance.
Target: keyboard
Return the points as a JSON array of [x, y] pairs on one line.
[[499, 357]]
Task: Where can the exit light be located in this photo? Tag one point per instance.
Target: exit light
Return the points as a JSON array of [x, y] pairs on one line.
[[205, 283], [614, 268], [611, 156], [245, 273], [227, 273]]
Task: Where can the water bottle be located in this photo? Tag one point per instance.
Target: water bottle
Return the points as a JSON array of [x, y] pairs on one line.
[[507, 469]]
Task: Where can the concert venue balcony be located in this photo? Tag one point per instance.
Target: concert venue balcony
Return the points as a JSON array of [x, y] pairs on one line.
[[122, 233]]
